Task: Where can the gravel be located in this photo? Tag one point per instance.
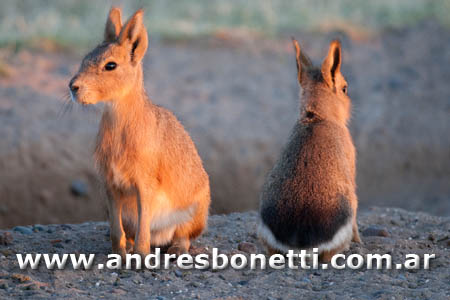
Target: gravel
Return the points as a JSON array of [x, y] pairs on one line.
[[409, 232]]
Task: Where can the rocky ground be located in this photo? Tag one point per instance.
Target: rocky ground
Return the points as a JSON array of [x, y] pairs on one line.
[[238, 98], [384, 230]]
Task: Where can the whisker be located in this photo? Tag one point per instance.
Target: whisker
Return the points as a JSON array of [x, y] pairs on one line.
[[66, 106]]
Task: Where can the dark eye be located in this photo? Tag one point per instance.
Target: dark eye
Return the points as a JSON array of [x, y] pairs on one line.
[[110, 66], [344, 89]]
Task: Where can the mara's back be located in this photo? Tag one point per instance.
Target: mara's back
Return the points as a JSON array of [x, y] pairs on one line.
[[180, 168], [309, 186]]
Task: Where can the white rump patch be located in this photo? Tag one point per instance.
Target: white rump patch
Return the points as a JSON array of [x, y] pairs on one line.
[[342, 236]]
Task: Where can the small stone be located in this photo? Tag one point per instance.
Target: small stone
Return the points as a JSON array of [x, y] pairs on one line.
[[3, 210], [194, 284], [394, 83], [66, 227], [198, 250], [38, 227], [222, 277], [243, 282], [119, 291], [31, 287], [20, 278], [79, 188], [6, 238], [444, 239], [58, 245], [375, 231], [378, 293], [160, 298], [401, 277], [247, 247], [44, 196], [178, 273], [6, 252], [23, 230]]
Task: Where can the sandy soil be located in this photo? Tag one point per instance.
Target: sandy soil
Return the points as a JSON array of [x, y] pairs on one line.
[[239, 99], [403, 233]]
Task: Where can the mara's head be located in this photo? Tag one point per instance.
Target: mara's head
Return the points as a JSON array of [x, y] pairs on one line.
[[114, 67], [324, 88]]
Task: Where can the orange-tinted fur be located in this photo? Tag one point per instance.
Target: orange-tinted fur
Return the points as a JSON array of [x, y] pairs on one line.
[[158, 191]]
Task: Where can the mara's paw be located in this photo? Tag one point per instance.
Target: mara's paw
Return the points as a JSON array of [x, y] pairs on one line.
[[177, 249], [122, 252], [271, 251], [142, 252], [357, 239]]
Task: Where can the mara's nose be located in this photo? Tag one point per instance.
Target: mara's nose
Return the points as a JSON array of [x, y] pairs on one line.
[[73, 87]]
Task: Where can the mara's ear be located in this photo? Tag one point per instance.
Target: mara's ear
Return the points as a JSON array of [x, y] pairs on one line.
[[331, 65], [303, 62], [113, 24], [135, 34]]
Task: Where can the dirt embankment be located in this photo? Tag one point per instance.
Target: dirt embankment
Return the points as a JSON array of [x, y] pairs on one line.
[[239, 100], [392, 231]]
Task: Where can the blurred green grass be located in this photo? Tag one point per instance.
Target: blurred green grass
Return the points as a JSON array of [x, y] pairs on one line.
[[77, 24]]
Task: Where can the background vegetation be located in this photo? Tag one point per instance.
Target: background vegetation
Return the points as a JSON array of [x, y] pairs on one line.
[[75, 23]]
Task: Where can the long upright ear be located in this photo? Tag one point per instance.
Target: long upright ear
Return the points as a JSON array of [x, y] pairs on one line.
[[331, 65], [303, 62], [135, 34], [113, 24]]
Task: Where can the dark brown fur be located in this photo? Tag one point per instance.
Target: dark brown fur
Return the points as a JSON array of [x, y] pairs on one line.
[[310, 193]]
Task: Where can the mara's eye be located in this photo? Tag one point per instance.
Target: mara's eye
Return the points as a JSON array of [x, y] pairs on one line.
[[110, 66], [344, 89]]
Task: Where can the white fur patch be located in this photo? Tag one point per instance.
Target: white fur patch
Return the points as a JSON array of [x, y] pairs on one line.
[[172, 218], [342, 236], [162, 237], [166, 217]]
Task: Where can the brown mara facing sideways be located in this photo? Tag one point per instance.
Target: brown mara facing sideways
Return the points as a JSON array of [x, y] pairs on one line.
[[158, 191], [309, 199]]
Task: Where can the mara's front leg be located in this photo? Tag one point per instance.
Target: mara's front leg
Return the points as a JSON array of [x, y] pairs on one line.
[[117, 234], [145, 210]]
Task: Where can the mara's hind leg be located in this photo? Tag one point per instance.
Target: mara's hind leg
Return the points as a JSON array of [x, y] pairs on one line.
[[326, 256], [270, 250], [130, 244], [188, 231], [354, 205], [355, 230]]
